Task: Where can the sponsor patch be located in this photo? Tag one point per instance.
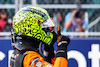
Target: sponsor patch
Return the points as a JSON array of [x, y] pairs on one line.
[[33, 61], [38, 63]]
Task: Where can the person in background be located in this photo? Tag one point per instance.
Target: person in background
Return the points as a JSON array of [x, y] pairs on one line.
[[75, 22], [58, 20], [3, 19], [5, 23]]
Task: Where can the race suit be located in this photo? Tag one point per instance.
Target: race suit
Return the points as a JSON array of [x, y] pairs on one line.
[[33, 59]]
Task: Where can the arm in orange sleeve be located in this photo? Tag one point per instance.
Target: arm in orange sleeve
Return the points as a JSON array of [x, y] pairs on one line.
[[60, 62]]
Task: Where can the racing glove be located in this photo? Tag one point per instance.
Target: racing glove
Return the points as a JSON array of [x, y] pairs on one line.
[[62, 43]]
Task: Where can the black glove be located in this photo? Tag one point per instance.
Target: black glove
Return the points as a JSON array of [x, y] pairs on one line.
[[62, 42]]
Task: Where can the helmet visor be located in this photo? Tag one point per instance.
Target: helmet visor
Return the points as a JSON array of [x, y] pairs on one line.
[[48, 23]]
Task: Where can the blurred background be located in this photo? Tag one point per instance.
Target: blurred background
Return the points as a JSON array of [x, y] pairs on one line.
[[78, 19], [58, 10]]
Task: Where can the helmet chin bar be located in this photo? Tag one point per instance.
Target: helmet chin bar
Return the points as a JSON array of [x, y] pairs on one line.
[[48, 23]]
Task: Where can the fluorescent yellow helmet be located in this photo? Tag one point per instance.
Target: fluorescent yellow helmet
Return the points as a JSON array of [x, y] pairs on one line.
[[31, 21]]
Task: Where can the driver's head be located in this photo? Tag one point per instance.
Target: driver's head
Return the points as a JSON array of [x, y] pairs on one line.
[[33, 22]]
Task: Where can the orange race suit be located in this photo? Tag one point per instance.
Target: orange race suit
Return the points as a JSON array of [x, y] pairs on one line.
[[31, 58]]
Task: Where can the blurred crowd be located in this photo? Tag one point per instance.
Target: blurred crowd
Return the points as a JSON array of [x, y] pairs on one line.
[[72, 22]]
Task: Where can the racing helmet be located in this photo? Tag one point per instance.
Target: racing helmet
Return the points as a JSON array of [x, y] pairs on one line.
[[31, 21]]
